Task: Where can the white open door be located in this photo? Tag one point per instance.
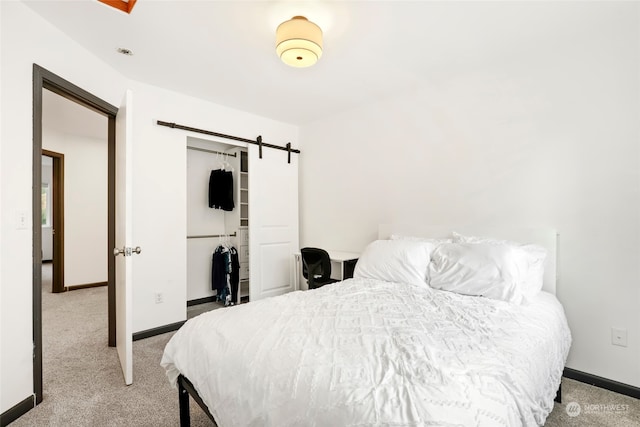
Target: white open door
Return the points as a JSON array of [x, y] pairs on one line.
[[123, 252], [273, 222]]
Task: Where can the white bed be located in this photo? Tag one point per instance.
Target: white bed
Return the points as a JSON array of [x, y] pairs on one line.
[[367, 352]]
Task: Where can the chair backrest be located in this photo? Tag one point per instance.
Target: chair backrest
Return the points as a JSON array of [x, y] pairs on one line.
[[316, 261]]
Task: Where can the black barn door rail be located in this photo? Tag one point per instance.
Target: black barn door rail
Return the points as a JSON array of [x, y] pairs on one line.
[[257, 141]]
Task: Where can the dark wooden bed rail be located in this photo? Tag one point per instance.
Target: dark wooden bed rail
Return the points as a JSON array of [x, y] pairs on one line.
[[185, 388], [559, 393]]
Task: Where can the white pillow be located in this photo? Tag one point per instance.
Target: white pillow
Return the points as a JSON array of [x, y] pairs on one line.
[[403, 261], [420, 239], [479, 269], [531, 261]]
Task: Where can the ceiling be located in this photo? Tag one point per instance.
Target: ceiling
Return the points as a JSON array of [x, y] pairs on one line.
[[223, 51]]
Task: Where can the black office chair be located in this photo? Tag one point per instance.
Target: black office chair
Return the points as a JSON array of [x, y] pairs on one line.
[[316, 267]]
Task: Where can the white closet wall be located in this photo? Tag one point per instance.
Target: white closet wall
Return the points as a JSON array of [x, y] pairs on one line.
[[201, 219]]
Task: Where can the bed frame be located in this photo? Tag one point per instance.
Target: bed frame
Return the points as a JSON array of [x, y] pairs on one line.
[[545, 237], [186, 388]]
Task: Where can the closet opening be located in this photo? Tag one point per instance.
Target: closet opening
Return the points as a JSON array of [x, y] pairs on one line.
[[217, 225]]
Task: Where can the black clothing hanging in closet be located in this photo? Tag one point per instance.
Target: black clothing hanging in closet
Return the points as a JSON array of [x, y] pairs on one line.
[[225, 274], [219, 270], [221, 190], [234, 274]]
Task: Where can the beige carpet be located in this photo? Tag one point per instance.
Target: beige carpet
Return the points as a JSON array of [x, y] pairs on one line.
[[83, 383]]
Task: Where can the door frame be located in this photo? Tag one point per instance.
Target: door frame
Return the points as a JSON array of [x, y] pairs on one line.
[[57, 227], [45, 79]]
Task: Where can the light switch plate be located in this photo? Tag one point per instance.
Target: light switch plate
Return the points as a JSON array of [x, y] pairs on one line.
[[22, 221]]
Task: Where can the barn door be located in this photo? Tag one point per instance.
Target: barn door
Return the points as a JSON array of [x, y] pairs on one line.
[[273, 222]]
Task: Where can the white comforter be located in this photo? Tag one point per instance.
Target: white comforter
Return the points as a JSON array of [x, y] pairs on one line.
[[364, 352]]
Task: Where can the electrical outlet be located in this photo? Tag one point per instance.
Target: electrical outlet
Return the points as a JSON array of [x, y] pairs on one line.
[[159, 297], [619, 337]]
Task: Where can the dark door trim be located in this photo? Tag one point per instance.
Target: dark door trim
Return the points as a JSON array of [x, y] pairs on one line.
[[57, 207], [44, 79]]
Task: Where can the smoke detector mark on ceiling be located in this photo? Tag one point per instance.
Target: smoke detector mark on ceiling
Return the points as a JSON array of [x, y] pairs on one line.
[[125, 51]]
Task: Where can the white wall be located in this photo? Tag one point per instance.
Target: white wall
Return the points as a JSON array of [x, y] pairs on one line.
[[46, 46], [47, 234], [545, 138], [159, 181], [85, 204]]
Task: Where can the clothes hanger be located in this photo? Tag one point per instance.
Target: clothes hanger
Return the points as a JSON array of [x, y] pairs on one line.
[[231, 168], [226, 161]]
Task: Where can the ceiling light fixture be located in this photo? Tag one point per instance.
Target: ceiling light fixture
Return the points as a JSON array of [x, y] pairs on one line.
[[299, 42]]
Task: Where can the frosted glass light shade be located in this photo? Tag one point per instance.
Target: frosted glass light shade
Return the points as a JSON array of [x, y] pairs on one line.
[[299, 42]]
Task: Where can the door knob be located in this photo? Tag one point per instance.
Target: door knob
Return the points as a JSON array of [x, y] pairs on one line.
[[127, 251]]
